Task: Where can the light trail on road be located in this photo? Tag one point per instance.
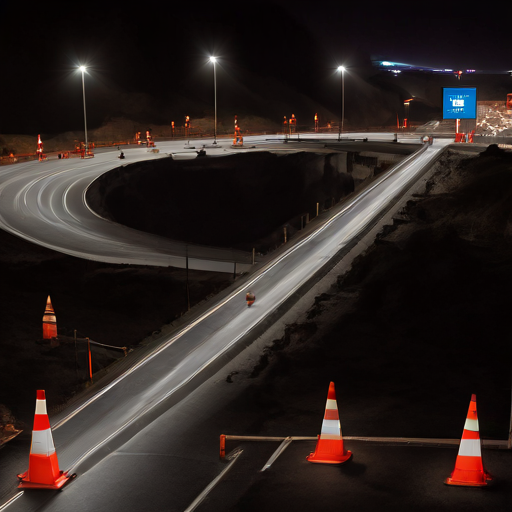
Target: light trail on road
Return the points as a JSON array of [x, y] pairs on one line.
[[44, 203]]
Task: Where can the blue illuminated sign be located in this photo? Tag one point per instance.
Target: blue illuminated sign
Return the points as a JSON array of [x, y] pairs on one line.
[[459, 103]]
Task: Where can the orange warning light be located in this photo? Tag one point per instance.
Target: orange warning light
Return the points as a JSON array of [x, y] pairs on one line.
[[40, 154], [238, 140], [293, 123], [149, 141]]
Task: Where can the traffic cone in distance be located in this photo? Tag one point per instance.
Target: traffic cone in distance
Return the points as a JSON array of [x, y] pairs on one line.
[[329, 447], [49, 321], [469, 469], [43, 466]]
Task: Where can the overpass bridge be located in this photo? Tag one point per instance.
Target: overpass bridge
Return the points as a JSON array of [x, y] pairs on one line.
[[45, 203]]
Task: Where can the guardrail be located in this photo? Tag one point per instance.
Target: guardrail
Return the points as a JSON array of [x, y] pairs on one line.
[[492, 139], [496, 444], [181, 134]]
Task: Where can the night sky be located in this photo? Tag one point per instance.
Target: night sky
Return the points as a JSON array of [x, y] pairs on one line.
[[150, 62]]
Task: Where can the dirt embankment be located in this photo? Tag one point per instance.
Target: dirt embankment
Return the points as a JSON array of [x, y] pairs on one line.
[[240, 201]]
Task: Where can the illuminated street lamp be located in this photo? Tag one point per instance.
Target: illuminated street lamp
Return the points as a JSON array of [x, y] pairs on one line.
[[213, 60], [342, 116], [83, 69]]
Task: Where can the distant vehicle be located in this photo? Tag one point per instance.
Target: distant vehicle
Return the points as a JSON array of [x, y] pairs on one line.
[[432, 124]]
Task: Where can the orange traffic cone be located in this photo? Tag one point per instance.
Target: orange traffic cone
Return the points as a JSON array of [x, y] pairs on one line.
[[43, 466], [49, 321], [469, 469], [329, 448]]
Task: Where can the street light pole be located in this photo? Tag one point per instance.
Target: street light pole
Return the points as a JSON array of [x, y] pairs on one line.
[[213, 60], [342, 116], [82, 69], [407, 123]]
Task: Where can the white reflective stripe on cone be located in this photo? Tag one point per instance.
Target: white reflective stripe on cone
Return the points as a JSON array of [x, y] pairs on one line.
[[42, 442], [331, 427], [471, 425], [331, 404], [470, 448], [41, 407], [330, 437]]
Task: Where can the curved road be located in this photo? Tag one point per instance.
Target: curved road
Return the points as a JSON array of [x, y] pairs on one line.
[[103, 422], [44, 203]]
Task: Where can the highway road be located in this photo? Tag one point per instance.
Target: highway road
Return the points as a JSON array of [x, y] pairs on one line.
[[44, 202], [100, 424]]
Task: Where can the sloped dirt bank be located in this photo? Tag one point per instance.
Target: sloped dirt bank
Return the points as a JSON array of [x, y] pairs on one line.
[[230, 201]]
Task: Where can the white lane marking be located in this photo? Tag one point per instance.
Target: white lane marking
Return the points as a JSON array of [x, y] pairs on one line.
[[11, 501], [213, 483], [282, 447]]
